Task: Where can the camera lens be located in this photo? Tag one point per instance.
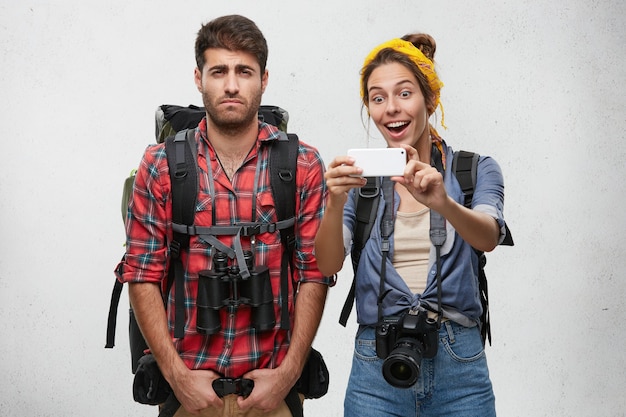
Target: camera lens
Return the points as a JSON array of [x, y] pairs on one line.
[[402, 367]]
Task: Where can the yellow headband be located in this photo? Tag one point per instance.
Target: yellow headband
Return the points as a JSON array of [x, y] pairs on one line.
[[424, 64]]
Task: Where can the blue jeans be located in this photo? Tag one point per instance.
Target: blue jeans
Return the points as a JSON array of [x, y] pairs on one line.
[[453, 383]]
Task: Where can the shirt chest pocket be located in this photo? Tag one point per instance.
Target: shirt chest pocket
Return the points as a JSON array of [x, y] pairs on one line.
[[266, 213]]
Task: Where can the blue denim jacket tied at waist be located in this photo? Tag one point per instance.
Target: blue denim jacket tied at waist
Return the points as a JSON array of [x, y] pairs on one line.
[[460, 295]]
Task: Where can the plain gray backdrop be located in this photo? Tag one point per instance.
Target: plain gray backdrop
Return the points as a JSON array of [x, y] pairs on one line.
[[539, 85]]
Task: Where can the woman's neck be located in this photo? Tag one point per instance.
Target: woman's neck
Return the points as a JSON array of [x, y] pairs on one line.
[[424, 145]]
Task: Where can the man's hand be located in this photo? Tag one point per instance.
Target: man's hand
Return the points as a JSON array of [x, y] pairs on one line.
[[194, 390], [271, 386]]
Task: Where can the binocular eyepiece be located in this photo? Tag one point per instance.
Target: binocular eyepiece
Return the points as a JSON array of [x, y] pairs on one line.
[[224, 286]]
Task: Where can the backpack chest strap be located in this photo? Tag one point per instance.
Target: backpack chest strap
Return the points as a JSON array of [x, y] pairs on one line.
[[241, 229]]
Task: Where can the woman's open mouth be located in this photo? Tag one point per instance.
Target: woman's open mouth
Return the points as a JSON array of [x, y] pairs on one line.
[[397, 128]]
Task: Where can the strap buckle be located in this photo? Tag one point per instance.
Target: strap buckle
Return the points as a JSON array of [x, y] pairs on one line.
[[237, 386], [371, 189], [251, 230]]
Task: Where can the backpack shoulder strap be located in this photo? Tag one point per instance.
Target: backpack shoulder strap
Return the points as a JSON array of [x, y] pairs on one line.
[[366, 207], [181, 152], [464, 166], [283, 164]]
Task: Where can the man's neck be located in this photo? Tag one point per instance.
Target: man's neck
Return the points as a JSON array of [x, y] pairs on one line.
[[232, 146]]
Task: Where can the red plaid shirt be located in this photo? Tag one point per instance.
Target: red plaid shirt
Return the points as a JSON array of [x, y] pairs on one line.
[[237, 348]]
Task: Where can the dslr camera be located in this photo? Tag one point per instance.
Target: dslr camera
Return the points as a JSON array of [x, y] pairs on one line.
[[402, 341]]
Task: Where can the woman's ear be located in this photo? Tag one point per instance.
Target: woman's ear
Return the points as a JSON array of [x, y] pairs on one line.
[[430, 105]]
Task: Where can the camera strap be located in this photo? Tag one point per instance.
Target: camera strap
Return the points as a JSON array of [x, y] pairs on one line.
[[438, 233], [386, 228], [437, 237]]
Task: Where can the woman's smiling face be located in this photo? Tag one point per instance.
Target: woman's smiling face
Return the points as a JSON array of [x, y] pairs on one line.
[[396, 105]]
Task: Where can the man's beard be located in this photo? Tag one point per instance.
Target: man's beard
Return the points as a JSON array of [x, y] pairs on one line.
[[230, 122]]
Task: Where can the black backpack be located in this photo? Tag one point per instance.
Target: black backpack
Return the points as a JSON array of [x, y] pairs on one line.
[[175, 125], [464, 167]]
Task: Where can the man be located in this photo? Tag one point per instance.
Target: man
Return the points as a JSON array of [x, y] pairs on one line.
[[234, 187]]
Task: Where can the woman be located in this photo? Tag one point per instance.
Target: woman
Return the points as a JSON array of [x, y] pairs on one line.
[[426, 292]]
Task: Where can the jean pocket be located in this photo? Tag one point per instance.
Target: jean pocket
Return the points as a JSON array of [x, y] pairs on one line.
[[465, 346], [365, 346]]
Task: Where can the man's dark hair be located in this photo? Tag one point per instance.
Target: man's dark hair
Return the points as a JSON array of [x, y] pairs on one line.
[[234, 33]]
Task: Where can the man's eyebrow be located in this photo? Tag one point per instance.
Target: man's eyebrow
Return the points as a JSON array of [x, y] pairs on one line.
[[219, 67], [238, 68], [244, 67]]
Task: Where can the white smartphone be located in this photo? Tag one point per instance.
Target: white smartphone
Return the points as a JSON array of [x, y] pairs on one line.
[[379, 162]]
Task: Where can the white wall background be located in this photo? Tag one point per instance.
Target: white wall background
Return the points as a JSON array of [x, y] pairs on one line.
[[539, 85]]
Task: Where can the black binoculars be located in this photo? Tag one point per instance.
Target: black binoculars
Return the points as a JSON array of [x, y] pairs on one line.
[[224, 286]]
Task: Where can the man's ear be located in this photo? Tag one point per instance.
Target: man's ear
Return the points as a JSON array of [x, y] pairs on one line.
[[197, 78], [264, 80]]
